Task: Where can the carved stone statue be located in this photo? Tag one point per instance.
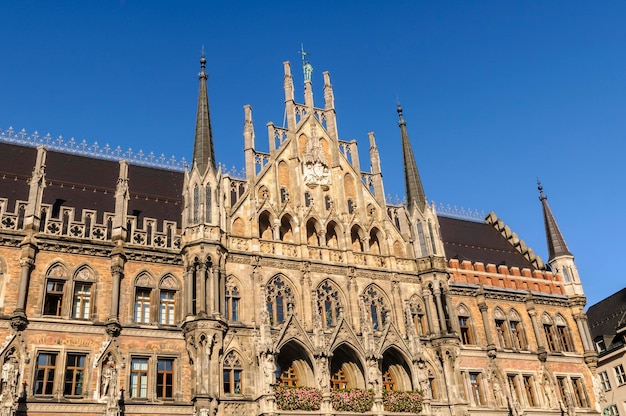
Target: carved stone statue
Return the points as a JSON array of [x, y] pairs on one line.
[[374, 376], [497, 392], [10, 375], [108, 383], [422, 377], [269, 371], [323, 373]]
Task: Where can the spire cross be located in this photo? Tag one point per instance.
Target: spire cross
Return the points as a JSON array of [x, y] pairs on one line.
[[307, 68], [542, 196]]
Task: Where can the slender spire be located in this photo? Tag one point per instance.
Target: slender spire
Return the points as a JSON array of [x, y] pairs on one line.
[[414, 190], [203, 153], [556, 243]]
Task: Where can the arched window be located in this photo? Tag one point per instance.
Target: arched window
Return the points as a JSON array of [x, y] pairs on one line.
[[374, 242], [548, 328], [278, 298], [56, 281], [207, 204], [144, 285], [355, 236], [422, 239], [563, 334], [332, 241], [433, 242], [196, 204], [376, 307], [418, 317], [232, 373], [168, 293], [465, 325], [311, 233], [82, 299], [286, 232], [233, 296], [328, 303], [518, 336], [502, 328], [265, 226]]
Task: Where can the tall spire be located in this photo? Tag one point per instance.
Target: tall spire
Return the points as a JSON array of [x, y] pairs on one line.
[[556, 243], [414, 190], [203, 153]]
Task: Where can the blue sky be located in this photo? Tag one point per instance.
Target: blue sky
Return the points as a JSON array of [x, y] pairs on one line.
[[495, 93]]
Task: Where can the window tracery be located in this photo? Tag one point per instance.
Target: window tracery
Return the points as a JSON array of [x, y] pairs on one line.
[[328, 303], [279, 296]]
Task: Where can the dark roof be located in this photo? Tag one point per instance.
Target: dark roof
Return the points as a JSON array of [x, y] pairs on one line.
[[605, 316], [16, 166], [82, 182], [479, 242]]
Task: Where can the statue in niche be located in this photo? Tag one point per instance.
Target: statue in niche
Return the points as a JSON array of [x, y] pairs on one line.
[[323, 374], [422, 377], [374, 376], [108, 384], [316, 171], [10, 375]]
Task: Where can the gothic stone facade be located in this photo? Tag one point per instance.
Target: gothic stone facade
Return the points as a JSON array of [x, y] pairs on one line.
[[128, 289]]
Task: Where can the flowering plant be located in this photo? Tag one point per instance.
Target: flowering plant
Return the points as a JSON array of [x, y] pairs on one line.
[[352, 400], [402, 401], [298, 398]]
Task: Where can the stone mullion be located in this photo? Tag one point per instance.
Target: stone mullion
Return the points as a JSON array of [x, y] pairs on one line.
[[27, 265], [201, 289], [440, 315], [429, 305]]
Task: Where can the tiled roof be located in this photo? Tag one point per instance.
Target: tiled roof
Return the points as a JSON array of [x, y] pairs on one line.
[[479, 242], [605, 316]]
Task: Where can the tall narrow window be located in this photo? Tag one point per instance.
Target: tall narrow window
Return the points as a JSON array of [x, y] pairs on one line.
[[139, 378], [529, 389], [44, 373], [620, 375], [307, 199], [377, 307], [165, 378], [514, 387], [350, 206], [466, 332], [167, 307], [551, 337], [142, 305], [207, 205], [518, 339], [54, 297], [604, 381], [422, 239], [560, 382], [74, 375], [580, 393], [328, 303], [563, 334], [232, 302], [477, 388], [328, 203], [284, 195], [232, 374], [501, 330], [196, 204], [81, 306], [432, 238], [432, 382], [278, 293]]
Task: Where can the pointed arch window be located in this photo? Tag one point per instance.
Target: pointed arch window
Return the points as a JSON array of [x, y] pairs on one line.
[[432, 237], [465, 325], [418, 317], [563, 334], [278, 298], [376, 307], [168, 293], [422, 239], [56, 280], [196, 204], [207, 204], [328, 303], [551, 337], [82, 299], [143, 299], [232, 374], [232, 301]]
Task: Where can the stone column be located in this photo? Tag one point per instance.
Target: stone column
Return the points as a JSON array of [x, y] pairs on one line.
[[483, 312], [117, 273], [440, 313], [581, 330], [189, 272], [429, 305], [27, 265]]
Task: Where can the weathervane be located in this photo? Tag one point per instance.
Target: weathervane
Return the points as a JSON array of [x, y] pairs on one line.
[[307, 68]]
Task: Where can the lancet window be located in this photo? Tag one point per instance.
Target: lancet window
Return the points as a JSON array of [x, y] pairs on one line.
[[232, 374], [376, 307], [278, 299], [328, 303]]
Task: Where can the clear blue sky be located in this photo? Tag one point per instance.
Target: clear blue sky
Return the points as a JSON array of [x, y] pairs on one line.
[[495, 93]]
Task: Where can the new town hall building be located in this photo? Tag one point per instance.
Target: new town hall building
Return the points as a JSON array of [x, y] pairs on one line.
[[128, 289]]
